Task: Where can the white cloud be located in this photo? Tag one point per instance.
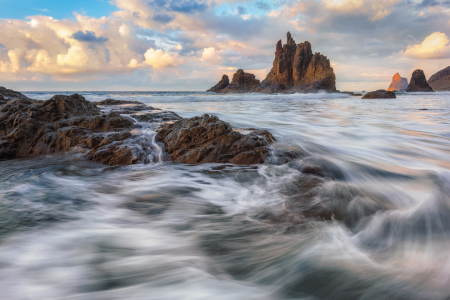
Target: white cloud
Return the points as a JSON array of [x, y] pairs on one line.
[[436, 45], [159, 59], [211, 56], [376, 9]]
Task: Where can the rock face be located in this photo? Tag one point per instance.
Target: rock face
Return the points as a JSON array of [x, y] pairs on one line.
[[242, 82], [63, 123], [441, 80], [398, 84], [296, 68], [418, 82], [380, 94], [223, 83], [207, 139]]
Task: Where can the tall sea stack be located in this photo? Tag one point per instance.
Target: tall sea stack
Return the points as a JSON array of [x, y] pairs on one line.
[[296, 68], [398, 84], [418, 82]]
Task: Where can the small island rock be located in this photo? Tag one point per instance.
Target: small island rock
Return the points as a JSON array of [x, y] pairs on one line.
[[418, 82], [398, 84], [379, 94]]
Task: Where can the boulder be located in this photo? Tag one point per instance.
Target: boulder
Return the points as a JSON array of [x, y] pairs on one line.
[[242, 82], [441, 80], [380, 94], [207, 139], [418, 82], [297, 69], [351, 93], [223, 83], [398, 84]]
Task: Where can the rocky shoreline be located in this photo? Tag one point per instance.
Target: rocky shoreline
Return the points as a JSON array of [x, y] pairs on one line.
[[108, 132]]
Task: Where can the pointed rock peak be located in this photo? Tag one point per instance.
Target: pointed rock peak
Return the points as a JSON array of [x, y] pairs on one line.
[[290, 40], [279, 45], [396, 77]]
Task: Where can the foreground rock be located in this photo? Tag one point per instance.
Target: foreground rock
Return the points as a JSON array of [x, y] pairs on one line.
[[242, 83], [398, 84], [64, 123], [380, 94], [296, 69], [441, 80], [418, 82], [207, 139]]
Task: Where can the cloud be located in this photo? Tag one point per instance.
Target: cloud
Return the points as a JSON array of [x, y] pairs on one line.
[[159, 59], [211, 56], [162, 18], [89, 36], [376, 9], [436, 45]]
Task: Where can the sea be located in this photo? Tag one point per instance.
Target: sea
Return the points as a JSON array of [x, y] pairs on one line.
[[74, 229]]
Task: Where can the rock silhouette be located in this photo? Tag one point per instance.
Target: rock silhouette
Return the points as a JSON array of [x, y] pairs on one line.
[[398, 84], [441, 80], [242, 82], [296, 68], [418, 82]]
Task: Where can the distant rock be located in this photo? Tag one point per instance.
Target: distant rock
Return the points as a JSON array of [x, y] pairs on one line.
[[242, 82], [207, 139], [380, 94], [398, 84], [441, 80], [351, 93], [418, 82], [223, 83], [296, 69], [116, 102]]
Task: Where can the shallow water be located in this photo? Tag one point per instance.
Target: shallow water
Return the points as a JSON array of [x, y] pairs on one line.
[[374, 225]]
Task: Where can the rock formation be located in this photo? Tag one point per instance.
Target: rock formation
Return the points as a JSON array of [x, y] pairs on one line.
[[418, 82], [242, 82], [398, 84], [295, 68], [207, 139], [223, 83], [31, 127], [380, 94], [441, 80]]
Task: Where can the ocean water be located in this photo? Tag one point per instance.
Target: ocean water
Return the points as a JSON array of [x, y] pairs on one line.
[[374, 225]]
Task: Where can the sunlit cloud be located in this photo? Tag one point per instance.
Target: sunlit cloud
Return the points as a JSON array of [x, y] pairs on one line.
[[436, 45]]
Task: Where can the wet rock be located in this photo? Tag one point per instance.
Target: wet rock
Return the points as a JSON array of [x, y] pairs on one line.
[[380, 94], [116, 102], [62, 123], [441, 80], [297, 69], [223, 83], [418, 82], [163, 116], [242, 82], [207, 139], [398, 84]]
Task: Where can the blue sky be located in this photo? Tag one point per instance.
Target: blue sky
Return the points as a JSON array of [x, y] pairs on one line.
[[190, 44]]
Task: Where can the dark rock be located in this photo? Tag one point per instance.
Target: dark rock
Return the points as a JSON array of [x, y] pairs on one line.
[[398, 84], [223, 83], [207, 139], [296, 69], [116, 102], [242, 83], [441, 80], [31, 128], [351, 93], [163, 116], [380, 94], [418, 82]]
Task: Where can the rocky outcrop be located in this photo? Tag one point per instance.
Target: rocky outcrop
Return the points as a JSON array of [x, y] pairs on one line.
[[242, 82], [380, 94], [207, 139], [296, 68], [64, 123], [351, 93], [441, 80], [398, 84], [418, 82], [223, 83]]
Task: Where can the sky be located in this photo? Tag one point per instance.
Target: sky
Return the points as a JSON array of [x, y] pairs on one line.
[[181, 45]]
